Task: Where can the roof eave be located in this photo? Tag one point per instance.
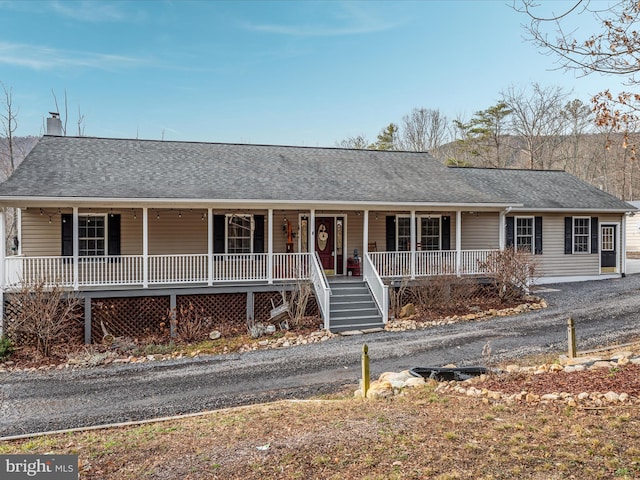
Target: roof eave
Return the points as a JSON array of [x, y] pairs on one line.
[[30, 201], [572, 210]]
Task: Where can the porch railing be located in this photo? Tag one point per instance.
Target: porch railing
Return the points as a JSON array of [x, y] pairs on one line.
[[430, 263], [290, 266], [473, 262], [126, 270], [320, 287], [379, 290], [177, 269], [239, 267]]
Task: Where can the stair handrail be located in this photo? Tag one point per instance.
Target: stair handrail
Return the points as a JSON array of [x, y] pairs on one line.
[[378, 289], [320, 287]]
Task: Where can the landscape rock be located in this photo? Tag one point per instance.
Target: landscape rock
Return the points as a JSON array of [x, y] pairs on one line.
[[378, 389]]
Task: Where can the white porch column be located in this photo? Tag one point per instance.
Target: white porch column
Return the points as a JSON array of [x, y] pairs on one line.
[[365, 238], [623, 245], [501, 230], [413, 244], [145, 247], [76, 248], [270, 247], [458, 241], [209, 246], [3, 247], [312, 231], [19, 230]]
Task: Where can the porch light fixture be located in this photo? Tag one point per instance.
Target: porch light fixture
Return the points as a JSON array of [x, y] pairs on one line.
[[158, 216], [179, 213], [202, 218], [50, 219]]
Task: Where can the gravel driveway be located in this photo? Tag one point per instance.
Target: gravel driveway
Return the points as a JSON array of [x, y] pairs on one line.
[[605, 312]]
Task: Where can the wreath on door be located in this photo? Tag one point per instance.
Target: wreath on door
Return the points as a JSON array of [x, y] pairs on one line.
[[323, 237]]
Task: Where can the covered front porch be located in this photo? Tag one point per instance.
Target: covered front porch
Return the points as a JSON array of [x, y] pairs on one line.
[[104, 248]]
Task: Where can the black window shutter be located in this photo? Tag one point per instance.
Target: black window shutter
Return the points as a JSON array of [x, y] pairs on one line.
[[258, 234], [538, 233], [446, 233], [67, 234], [218, 233], [510, 231], [114, 234], [594, 234], [568, 235], [391, 233]]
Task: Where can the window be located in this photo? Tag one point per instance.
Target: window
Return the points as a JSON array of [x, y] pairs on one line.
[[404, 234], [239, 234], [91, 235], [524, 234], [581, 234], [430, 233], [98, 234]]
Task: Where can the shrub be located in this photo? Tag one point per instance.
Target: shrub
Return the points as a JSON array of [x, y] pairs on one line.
[[443, 291], [298, 300], [512, 271], [6, 347], [189, 324], [43, 317]]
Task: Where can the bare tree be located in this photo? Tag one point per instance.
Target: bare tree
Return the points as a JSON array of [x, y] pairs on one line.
[[9, 122], [423, 130], [64, 116], [358, 142], [536, 118], [614, 49], [576, 152]]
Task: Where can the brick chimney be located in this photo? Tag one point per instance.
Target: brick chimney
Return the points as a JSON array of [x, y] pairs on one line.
[[54, 124]]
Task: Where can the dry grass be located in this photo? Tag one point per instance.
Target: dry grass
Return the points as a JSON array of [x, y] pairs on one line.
[[414, 436]]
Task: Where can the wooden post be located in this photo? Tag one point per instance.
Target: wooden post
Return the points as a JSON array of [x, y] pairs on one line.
[[571, 338], [173, 315], [365, 370]]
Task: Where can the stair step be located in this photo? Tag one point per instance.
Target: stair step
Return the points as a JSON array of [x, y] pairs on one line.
[[336, 314], [353, 304], [352, 307], [355, 321]]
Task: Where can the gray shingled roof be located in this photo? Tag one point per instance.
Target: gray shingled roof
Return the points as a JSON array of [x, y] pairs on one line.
[[146, 169], [101, 168], [541, 189]]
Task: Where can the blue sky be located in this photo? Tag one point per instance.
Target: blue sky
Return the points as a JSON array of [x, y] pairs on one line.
[[292, 72]]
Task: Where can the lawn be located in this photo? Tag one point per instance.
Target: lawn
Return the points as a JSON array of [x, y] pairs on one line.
[[419, 434]]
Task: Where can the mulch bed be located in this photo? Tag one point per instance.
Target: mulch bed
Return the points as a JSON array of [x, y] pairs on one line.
[[602, 380]]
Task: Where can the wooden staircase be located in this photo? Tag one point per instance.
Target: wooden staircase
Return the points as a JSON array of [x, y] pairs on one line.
[[352, 306]]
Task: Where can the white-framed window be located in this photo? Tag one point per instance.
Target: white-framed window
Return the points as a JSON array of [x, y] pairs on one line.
[[430, 231], [403, 234], [239, 234], [524, 233], [581, 234], [92, 235]]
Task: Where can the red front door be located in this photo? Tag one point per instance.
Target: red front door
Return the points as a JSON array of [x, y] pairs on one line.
[[324, 242]]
